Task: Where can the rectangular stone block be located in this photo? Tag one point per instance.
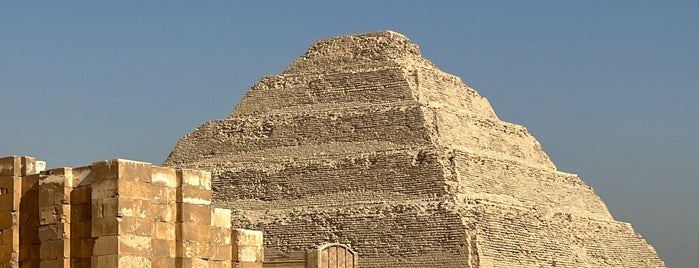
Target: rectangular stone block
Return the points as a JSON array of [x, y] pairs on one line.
[[163, 177], [194, 178], [65, 175], [30, 253], [28, 165], [247, 246], [192, 263], [54, 214], [106, 245], [193, 249], [51, 232], [163, 195], [135, 245], [104, 171], [81, 195], [8, 253], [245, 237], [62, 263], [6, 219], [130, 207], [9, 237], [192, 195], [83, 177], [163, 212], [105, 261], [220, 264], [134, 171], [81, 248], [165, 230], [11, 166], [247, 265], [158, 262], [10, 193], [221, 217], [221, 248], [193, 232], [133, 261], [81, 230], [104, 189], [81, 263], [105, 207], [136, 226], [80, 213], [104, 227], [164, 248], [192, 213], [135, 189], [54, 249]]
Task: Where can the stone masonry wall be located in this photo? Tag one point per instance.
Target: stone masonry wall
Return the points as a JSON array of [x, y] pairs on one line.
[[116, 213], [357, 140]]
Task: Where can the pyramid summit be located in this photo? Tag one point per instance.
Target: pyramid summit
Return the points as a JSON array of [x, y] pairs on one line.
[[364, 142]]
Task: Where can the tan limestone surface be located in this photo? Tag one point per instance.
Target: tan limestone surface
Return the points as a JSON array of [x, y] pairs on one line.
[[116, 213], [362, 141]]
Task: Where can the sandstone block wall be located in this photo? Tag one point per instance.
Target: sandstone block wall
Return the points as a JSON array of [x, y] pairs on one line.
[[116, 213]]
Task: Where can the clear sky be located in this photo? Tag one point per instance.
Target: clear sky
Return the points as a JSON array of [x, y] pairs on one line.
[[608, 87]]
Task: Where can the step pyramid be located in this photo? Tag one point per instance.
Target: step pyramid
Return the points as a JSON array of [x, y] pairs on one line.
[[362, 141]]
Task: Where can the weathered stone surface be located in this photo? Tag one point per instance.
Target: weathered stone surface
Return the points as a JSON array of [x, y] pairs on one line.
[[362, 141], [116, 213]]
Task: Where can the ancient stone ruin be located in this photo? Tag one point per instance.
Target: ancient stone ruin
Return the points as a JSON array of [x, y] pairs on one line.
[[364, 142], [116, 213], [128, 214]]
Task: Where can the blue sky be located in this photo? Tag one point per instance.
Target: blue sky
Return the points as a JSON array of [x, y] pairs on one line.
[[608, 87]]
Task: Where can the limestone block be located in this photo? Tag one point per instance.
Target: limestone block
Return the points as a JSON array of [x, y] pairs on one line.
[[135, 245], [105, 260], [106, 246], [30, 254], [163, 177], [57, 231], [220, 264], [165, 212], [221, 248], [81, 195], [83, 177], [247, 246], [136, 226], [11, 166], [6, 219], [134, 171], [194, 213], [164, 248], [192, 263], [165, 230], [10, 193], [247, 265], [54, 214], [158, 262], [80, 213], [194, 178], [133, 261], [28, 165], [193, 249], [163, 195], [221, 217], [194, 232], [40, 166], [194, 195]]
